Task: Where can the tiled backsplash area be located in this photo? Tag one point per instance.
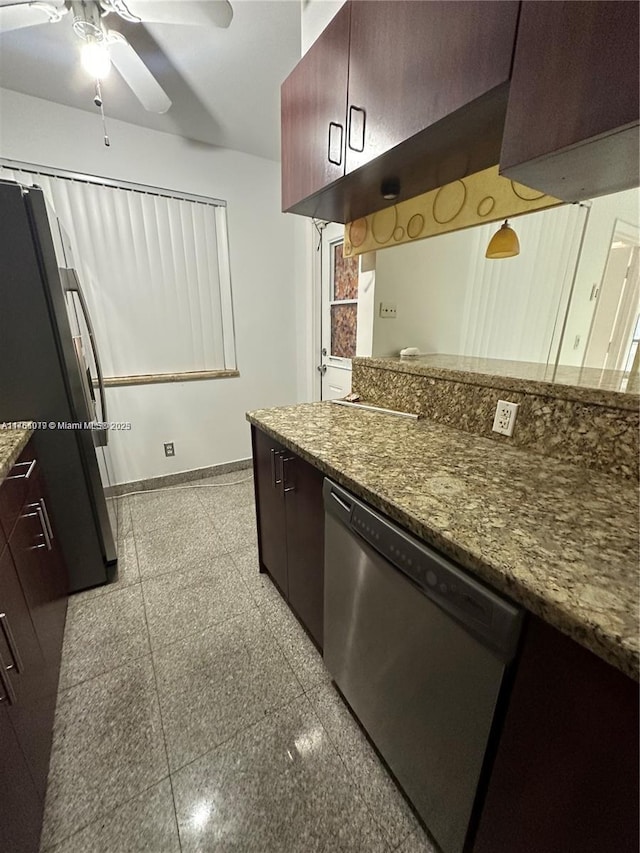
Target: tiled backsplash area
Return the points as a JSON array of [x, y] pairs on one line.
[[575, 424]]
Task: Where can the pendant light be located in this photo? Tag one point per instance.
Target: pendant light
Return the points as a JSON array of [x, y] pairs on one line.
[[504, 243]]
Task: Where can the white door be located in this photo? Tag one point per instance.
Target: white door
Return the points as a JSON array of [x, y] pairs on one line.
[[339, 314]]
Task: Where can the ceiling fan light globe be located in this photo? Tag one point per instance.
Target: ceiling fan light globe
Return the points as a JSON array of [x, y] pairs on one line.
[[96, 60]]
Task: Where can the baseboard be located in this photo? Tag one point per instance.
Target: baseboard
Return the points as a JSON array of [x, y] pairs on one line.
[[178, 478]]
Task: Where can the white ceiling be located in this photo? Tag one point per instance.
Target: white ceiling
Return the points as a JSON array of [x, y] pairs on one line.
[[224, 83]]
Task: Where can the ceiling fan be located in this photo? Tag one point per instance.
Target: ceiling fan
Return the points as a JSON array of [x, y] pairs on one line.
[[102, 47]]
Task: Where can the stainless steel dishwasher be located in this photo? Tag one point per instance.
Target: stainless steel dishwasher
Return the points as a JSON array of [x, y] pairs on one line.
[[418, 648]]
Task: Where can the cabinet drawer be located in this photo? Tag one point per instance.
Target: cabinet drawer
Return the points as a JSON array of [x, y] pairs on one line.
[[13, 490]]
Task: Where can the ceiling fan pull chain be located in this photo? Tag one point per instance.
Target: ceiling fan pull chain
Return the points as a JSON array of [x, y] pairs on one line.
[[98, 102]]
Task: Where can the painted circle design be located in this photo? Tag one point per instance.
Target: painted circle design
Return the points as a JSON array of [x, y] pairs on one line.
[[415, 225], [398, 234], [449, 201], [358, 232], [384, 224], [526, 193], [486, 205]]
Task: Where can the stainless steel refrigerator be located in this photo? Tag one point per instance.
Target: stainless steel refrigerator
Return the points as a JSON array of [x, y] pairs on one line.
[[50, 373]]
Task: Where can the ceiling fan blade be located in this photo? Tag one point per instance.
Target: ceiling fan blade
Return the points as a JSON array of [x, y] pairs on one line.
[[197, 13], [16, 16], [136, 75]]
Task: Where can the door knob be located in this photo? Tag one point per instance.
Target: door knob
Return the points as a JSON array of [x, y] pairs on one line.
[[322, 368]]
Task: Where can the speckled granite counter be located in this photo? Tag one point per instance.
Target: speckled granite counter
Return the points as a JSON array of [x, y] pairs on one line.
[[12, 443], [560, 539], [611, 388]]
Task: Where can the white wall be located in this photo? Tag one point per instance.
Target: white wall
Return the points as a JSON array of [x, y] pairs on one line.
[[597, 240], [450, 299], [316, 14], [426, 280], [204, 419]]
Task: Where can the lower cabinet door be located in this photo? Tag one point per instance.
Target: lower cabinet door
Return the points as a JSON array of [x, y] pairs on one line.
[[20, 805], [35, 551], [305, 542], [270, 511], [29, 682]]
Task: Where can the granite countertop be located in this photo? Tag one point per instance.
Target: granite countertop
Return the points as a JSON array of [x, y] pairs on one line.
[[12, 443], [612, 388], [559, 539]]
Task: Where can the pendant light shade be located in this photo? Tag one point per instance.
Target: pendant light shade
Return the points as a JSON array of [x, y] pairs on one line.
[[504, 243]]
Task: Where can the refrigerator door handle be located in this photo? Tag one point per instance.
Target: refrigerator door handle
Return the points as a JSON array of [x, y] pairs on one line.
[[73, 285]]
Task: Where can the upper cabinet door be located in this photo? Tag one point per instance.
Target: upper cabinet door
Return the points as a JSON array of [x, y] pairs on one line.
[[572, 118], [313, 110], [414, 63]]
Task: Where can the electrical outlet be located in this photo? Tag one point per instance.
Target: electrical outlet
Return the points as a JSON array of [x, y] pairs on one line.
[[169, 449], [388, 310], [505, 418]]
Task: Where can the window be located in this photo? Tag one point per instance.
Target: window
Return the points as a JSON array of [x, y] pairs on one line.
[[154, 266], [343, 303]]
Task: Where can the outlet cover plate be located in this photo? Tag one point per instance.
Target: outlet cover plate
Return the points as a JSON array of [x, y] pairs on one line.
[[505, 417], [388, 310], [169, 448]]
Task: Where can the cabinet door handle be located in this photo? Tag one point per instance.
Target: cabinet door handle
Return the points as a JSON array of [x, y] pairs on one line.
[[334, 144], [10, 695], [8, 635], [275, 455], [285, 460], [28, 473], [357, 122], [45, 533], [46, 518]]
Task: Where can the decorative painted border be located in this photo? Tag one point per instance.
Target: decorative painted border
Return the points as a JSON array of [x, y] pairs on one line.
[[482, 197]]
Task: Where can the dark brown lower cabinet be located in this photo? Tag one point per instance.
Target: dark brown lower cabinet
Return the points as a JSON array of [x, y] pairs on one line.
[[565, 777], [33, 601], [20, 803], [290, 519]]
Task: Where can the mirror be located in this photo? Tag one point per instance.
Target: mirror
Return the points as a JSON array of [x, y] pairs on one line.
[[570, 298]]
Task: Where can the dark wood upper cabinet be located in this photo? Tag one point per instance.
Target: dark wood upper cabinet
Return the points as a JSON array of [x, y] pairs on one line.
[[407, 94], [313, 110], [413, 64], [573, 113]]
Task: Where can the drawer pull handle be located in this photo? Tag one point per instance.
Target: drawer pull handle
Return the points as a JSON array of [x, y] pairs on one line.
[[10, 695], [275, 455], [285, 461], [29, 472], [45, 533], [46, 518], [8, 635]]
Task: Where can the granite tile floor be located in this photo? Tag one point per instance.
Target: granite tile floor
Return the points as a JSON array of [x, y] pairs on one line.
[[194, 713]]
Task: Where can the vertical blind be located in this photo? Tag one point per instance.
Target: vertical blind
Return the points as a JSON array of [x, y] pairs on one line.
[[155, 271], [515, 308]]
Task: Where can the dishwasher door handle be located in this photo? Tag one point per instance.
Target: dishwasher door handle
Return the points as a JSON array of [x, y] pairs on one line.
[[345, 506]]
